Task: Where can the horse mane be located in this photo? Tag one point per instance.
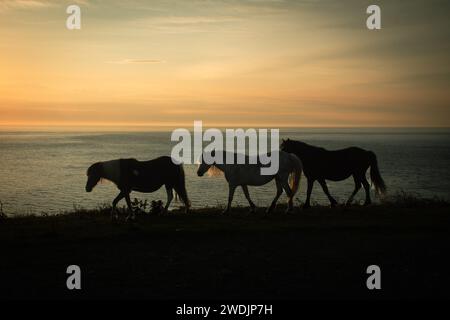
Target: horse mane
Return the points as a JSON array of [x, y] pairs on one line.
[[213, 171], [95, 168], [304, 145]]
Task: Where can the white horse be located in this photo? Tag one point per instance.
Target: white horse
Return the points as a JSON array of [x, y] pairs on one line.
[[250, 175]]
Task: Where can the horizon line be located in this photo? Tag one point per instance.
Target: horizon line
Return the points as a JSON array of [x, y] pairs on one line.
[[165, 127]]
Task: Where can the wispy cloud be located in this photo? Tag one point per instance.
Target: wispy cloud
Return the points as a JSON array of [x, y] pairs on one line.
[[131, 61], [6, 5], [24, 4], [186, 24], [187, 20]]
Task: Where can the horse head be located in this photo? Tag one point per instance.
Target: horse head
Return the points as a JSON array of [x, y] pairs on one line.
[[204, 164], [94, 174], [286, 145]]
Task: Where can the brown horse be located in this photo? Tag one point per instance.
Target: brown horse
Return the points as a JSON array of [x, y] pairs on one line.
[[142, 176], [320, 164]]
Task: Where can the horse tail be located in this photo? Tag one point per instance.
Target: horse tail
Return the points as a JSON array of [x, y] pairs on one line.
[[375, 176], [180, 189], [296, 174]]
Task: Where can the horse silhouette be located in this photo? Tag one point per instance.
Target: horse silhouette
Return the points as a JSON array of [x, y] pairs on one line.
[[142, 176], [321, 164], [249, 174]]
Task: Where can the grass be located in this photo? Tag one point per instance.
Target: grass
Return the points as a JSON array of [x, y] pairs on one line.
[[317, 253], [2, 214]]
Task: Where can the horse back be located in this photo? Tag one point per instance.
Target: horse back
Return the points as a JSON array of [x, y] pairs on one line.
[[336, 164], [148, 176]]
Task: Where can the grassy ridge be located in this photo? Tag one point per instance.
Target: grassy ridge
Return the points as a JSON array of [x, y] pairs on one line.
[[318, 253]]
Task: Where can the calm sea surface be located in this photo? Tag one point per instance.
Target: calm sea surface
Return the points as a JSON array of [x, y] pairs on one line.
[[46, 172]]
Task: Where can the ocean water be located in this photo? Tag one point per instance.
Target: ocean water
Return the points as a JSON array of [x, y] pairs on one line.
[[45, 172]]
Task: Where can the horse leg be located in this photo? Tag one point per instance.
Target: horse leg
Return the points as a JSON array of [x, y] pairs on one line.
[[274, 202], [366, 186], [181, 191], [357, 187], [250, 202], [325, 189], [290, 195], [308, 194], [114, 204], [169, 191], [131, 215], [231, 189]]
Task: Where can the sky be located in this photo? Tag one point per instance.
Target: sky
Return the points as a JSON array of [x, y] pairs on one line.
[[250, 63]]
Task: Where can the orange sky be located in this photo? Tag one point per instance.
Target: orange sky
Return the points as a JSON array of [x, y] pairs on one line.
[[269, 63]]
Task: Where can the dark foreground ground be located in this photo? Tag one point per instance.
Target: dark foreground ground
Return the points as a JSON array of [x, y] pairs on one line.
[[320, 253]]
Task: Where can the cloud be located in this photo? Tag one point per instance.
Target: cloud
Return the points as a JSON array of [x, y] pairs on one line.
[[24, 4], [131, 61], [6, 5], [188, 20]]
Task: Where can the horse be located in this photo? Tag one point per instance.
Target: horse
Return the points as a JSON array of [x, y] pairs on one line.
[[141, 176], [249, 174], [321, 164]]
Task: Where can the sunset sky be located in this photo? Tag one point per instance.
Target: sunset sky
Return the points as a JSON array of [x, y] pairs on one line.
[[269, 63]]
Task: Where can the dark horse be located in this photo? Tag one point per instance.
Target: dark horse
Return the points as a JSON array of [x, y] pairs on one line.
[[320, 164], [142, 176]]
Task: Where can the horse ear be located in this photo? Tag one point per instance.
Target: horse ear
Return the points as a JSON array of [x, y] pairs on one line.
[[283, 141]]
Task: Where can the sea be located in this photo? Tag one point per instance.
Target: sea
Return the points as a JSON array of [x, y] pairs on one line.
[[44, 173]]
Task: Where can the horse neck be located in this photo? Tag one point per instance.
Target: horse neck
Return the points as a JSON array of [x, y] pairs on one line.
[[111, 170], [304, 148], [225, 167], [222, 167]]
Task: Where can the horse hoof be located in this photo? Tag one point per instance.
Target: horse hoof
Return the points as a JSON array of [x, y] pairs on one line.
[[306, 206], [252, 210], [289, 210]]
